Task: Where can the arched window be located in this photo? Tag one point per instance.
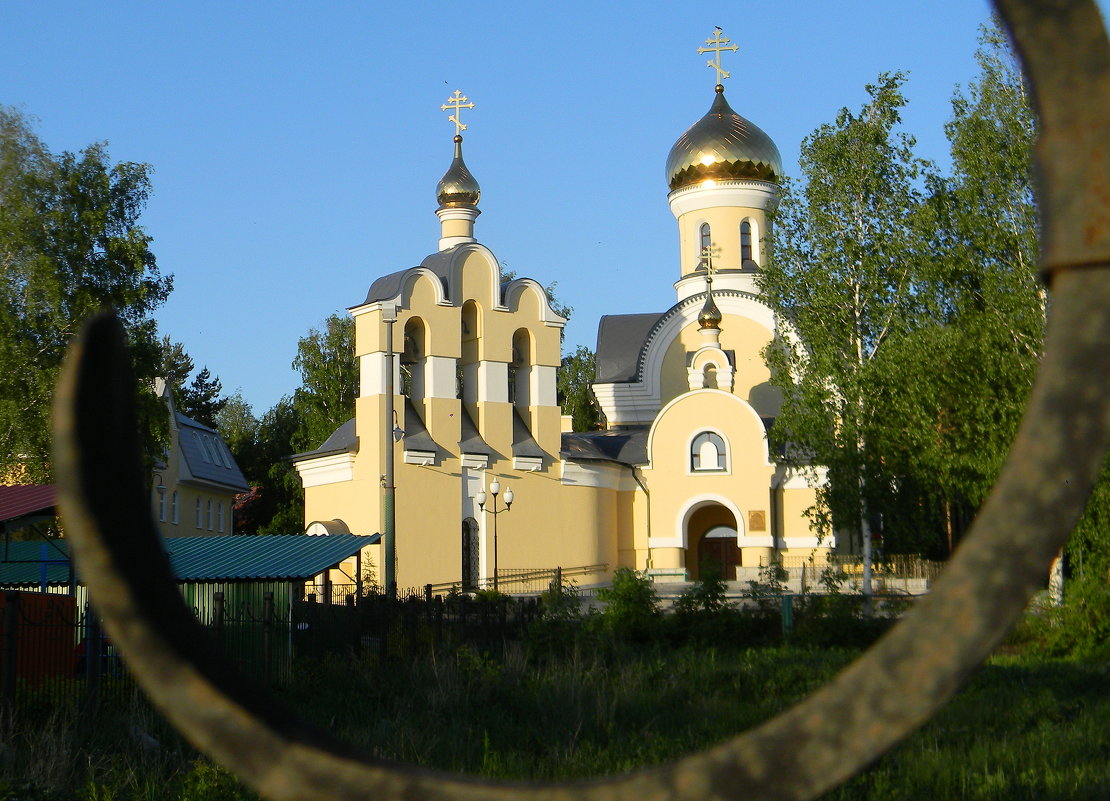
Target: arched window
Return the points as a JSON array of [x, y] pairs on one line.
[[209, 514], [708, 452], [520, 370], [745, 242], [220, 518], [200, 514], [162, 504], [469, 555], [705, 240], [174, 508], [467, 372], [412, 359]]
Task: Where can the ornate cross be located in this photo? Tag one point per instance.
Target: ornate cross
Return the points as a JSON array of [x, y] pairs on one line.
[[457, 102], [707, 254], [716, 44]]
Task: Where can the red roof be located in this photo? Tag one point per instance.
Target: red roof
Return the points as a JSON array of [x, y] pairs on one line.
[[25, 499]]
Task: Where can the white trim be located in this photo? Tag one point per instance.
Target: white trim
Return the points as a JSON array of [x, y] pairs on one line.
[[422, 458], [529, 464], [439, 377], [682, 520], [475, 461], [718, 194], [690, 471], [326, 469], [493, 382], [515, 288]]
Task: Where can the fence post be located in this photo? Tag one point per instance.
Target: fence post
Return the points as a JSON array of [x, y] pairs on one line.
[[557, 582], [11, 654], [787, 613], [267, 633], [218, 610], [94, 645], [427, 593]]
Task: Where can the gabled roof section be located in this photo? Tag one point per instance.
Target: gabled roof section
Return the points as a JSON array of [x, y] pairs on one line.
[[342, 440], [416, 436], [293, 556], [625, 446], [524, 444], [389, 286], [620, 338], [195, 559], [207, 456], [25, 499], [470, 441]]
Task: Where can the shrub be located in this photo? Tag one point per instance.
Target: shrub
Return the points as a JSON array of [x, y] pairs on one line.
[[632, 606]]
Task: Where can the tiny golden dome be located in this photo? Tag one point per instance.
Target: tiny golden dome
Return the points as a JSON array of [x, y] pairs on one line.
[[710, 316], [458, 187], [722, 146]]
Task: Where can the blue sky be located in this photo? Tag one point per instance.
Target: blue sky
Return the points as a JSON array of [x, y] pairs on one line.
[[296, 146]]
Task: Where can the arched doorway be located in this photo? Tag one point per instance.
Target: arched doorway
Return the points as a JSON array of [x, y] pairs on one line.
[[711, 534], [470, 555]]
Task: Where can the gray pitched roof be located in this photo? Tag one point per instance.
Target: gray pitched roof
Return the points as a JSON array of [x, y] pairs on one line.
[[524, 444], [206, 454], [620, 338], [342, 440], [416, 436], [470, 441], [626, 446], [389, 286]]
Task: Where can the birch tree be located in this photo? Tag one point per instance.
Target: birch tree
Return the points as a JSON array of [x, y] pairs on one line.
[[838, 275]]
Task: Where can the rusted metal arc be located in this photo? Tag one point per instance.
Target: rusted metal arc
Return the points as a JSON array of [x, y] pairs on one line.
[[878, 700]]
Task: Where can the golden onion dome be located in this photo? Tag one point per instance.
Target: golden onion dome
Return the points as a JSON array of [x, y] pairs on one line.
[[722, 146], [458, 187], [710, 315]]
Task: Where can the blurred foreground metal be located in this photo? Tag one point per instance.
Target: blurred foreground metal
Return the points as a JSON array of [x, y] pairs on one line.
[[873, 704]]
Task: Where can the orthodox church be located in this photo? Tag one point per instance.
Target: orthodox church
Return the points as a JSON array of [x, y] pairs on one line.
[[457, 429]]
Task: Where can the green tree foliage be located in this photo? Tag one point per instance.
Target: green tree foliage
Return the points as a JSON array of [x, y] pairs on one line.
[[918, 340], [838, 275], [201, 399], [329, 381], [70, 245], [576, 397]]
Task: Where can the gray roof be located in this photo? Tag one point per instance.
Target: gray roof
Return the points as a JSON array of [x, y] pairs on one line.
[[470, 441], [626, 446], [389, 286], [416, 436], [342, 440], [524, 444], [231, 558], [620, 338], [206, 454]]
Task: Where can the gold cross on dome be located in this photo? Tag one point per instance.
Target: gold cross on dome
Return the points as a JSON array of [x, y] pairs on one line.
[[457, 102], [718, 43], [707, 254]]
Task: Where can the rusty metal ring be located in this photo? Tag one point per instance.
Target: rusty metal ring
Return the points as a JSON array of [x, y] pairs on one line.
[[823, 740]]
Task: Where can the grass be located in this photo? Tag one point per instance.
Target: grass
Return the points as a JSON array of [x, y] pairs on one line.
[[1027, 727]]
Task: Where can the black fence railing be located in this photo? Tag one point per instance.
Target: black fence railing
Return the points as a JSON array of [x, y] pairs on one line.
[[519, 581]]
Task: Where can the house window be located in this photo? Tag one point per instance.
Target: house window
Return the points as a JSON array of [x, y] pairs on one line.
[[200, 514], [220, 517], [706, 240], [174, 509], [707, 452], [745, 242], [162, 504], [209, 514]]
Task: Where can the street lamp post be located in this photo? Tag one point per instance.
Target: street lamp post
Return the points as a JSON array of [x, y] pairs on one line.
[[494, 490]]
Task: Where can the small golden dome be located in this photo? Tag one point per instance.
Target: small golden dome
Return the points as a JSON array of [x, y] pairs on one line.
[[710, 315], [458, 187], [722, 146]]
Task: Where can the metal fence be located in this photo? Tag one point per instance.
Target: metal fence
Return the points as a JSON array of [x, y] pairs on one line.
[[519, 580], [898, 566]]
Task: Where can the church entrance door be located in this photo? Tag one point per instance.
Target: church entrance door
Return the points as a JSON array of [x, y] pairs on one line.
[[711, 534]]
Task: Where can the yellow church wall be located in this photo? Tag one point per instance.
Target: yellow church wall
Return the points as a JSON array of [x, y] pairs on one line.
[[677, 491], [724, 228], [745, 338]]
